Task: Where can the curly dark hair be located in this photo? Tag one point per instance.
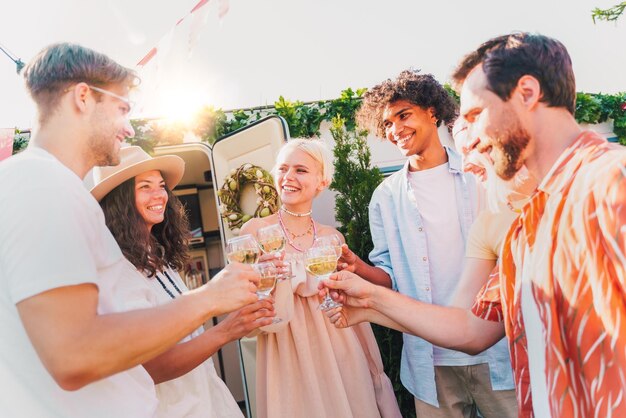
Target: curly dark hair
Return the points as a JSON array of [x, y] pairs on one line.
[[507, 58], [420, 89], [166, 245]]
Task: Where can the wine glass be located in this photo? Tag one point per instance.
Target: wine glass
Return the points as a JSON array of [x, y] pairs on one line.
[[332, 240], [321, 262], [243, 249], [271, 238], [269, 275]]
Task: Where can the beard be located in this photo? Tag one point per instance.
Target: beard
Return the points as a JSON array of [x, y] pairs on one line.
[[508, 148], [101, 144]]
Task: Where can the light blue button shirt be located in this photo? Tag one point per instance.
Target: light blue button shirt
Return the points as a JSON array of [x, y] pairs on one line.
[[399, 240]]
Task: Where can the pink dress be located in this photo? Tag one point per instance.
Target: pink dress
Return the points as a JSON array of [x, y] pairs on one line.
[[308, 368]]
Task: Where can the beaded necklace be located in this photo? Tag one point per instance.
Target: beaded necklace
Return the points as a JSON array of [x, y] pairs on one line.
[[296, 214], [288, 233], [168, 291]]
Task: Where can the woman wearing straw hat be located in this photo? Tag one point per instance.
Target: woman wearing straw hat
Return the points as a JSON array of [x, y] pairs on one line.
[[151, 228]]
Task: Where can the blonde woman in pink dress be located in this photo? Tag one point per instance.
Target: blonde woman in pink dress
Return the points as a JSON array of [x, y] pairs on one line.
[[305, 366]]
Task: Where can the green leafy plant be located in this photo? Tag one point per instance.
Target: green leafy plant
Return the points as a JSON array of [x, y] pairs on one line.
[[303, 120], [143, 135], [354, 181], [588, 108], [616, 105], [20, 141], [597, 108], [452, 92], [345, 107], [208, 124], [608, 15], [240, 119]]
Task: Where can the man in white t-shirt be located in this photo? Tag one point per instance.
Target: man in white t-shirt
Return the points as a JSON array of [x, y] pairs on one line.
[[419, 219], [64, 354]]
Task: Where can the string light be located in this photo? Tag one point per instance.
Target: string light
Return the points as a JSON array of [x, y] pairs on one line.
[[18, 62]]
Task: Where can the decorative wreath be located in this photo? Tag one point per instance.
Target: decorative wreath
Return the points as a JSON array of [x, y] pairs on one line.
[[230, 194]]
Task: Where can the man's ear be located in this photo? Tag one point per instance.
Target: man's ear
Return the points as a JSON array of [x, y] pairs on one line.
[[79, 95], [529, 90]]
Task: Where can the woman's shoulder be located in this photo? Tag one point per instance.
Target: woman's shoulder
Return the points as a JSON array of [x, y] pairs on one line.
[[327, 230]]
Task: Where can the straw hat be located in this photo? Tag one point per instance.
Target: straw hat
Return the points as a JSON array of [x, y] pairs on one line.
[[135, 161]]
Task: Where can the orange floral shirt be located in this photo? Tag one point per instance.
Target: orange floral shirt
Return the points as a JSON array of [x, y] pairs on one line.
[[578, 218]]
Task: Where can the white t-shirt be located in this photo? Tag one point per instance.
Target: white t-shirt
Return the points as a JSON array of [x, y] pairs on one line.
[[198, 394], [435, 195], [535, 339], [52, 234]]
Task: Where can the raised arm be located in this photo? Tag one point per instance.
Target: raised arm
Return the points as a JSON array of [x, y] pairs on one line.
[[78, 346], [379, 273], [454, 328], [475, 274], [349, 261], [184, 357]]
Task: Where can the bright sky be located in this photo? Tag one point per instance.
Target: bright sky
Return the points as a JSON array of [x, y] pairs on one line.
[[303, 50]]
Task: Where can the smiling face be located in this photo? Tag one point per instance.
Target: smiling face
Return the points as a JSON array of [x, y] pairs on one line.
[[110, 127], [150, 197], [473, 161], [298, 178], [494, 126], [409, 127]]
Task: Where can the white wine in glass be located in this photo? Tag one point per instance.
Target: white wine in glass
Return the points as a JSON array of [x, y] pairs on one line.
[[321, 262], [242, 249], [332, 240], [269, 275], [321, 266], [271, 238], [243, 256]]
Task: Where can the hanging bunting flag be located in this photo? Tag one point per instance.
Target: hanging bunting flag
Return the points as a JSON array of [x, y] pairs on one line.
[[6, 142], [198, 15], [167, 68]]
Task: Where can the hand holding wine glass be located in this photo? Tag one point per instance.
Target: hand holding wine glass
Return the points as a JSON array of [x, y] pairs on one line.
[[269, 275], [272, 241], [322, 262], [242, 249], [331, 240], [271, 238]]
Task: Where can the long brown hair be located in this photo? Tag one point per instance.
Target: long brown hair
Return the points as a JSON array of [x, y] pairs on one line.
[[166, 245]]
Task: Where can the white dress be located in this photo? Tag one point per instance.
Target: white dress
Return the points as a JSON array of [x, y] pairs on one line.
[[199, 393]]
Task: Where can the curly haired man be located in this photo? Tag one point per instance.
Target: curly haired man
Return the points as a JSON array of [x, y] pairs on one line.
[[420, 218]]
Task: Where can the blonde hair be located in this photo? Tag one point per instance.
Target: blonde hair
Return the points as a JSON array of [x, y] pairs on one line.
[[316, 149]]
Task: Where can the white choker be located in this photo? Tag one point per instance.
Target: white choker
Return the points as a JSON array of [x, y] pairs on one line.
[[297, 215]]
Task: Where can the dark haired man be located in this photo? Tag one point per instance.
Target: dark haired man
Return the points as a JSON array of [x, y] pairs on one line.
[[419, 219], [561, 286], [563, 277], [64, 354]]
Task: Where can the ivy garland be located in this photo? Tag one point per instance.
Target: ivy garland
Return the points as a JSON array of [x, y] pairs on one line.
[[230, 194]]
